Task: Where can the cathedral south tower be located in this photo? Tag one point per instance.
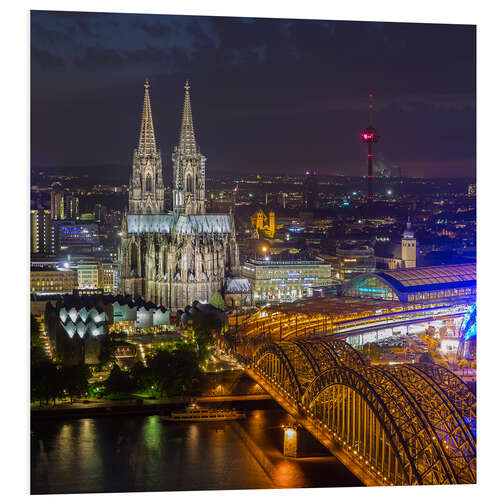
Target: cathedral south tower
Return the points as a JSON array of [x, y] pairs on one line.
[[189, 167], [146, 190]]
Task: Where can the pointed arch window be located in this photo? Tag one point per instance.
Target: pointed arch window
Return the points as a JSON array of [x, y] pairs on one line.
[[148, 183], [189, 183]]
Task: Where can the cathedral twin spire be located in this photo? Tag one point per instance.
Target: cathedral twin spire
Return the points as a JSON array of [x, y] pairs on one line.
[[147, 142], [146, 191], [187, 141]]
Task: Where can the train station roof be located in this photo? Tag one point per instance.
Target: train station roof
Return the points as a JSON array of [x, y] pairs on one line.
[[433, 277]]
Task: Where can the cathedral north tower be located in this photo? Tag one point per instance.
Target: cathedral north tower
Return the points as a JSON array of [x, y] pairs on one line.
[[146, 190]]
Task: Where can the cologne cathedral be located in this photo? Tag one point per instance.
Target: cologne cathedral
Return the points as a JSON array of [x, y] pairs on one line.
[[173, 257]]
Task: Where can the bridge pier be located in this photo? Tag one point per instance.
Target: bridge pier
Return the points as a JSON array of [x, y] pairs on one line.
[[290, 441]]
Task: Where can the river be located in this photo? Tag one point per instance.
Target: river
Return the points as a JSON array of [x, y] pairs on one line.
[[142, 453]]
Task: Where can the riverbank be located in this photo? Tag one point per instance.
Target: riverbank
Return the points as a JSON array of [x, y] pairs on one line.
[[109, 407]]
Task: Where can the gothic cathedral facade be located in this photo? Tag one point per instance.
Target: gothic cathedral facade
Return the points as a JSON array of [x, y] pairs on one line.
[[172, 258]]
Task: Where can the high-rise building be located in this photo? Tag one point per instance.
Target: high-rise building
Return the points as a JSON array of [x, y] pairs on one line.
[[63, 205], [409, 247], [42, 232], [146, 191], [172, 259], [310, 192]]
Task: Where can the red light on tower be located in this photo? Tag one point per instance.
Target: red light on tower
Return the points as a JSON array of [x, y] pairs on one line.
[[369, 136]]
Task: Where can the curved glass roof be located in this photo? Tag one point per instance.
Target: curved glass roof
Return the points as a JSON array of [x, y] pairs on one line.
[[435, 276]]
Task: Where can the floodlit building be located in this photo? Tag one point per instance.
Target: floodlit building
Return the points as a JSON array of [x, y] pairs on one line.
[[77, 323], [409, 247], [266, 224], [110, 277], [48, 280], [284, 278], [184, 255], [238, 293], [89, 274]]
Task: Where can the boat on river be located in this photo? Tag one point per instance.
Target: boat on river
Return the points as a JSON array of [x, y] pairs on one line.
[[195, 413]]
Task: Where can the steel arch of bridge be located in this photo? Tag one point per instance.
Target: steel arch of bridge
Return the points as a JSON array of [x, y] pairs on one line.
[[409, 424]]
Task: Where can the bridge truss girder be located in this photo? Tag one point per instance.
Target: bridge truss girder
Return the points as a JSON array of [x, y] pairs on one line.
[[410, 424]]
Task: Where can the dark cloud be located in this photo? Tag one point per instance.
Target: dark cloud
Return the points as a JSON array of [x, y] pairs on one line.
[[96, 58], [44, 34], [146, 55], [267, 93], [155, 30], [46, 60]]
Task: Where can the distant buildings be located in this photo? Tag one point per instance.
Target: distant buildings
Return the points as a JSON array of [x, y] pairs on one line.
[[72, 235], [63, 276], [42, 232], [310, 191], [265, 224], [353, 259], [53, 280], [286, 277], [471, 190], [63, 205], [409, 247]]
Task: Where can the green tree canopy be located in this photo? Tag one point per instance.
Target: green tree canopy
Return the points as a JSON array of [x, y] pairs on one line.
[[118, 382], [217, 301], [36, 332], [75, 380]]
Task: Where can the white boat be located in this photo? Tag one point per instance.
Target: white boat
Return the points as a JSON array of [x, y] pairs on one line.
[[195, 413]]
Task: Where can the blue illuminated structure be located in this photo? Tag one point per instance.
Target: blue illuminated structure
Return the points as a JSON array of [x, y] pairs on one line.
[[468, 326], [468, 331]]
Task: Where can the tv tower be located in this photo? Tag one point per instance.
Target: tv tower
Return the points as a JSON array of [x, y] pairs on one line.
[[369, 136]]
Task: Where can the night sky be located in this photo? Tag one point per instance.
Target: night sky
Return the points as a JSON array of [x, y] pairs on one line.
[[268, 96]]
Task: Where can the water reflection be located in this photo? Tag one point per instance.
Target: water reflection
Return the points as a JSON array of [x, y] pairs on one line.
[[146, 454]]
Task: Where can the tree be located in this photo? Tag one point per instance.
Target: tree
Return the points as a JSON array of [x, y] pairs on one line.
[[107, 354], [141, 377], [217, 301], [117, 382], [38, 355], [187, 371], [36, 332], [75, 380], [46, 382], [162, 372], [203, 327]]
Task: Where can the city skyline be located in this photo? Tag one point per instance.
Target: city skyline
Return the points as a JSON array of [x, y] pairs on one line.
[[311, 121]]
